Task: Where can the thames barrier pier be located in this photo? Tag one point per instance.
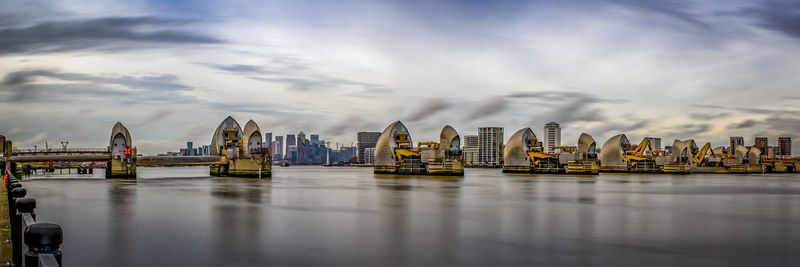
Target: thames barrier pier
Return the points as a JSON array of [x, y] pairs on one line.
[[524, 154], [123, 154], [240, 158], [395, 153]]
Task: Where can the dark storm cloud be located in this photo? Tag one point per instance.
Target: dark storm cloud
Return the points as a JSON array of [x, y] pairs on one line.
[[23, 86], [427, 109], [744, 124], [781, 16], [108, 34]]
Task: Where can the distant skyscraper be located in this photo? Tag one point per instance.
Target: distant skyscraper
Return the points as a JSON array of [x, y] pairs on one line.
[[785, 146], [369, 155], [301, 138], [761, 143], [470, 141], [268, 140], [314, 139], [735, 141], [189, 150], [365, 140], [490, 146], [291, 140], [552, 136], [278, 147]]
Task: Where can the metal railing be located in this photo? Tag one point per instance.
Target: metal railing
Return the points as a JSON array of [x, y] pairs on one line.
[[43, 240]]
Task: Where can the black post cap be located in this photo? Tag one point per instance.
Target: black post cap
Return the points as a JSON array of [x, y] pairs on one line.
[[25, 204], [44, 237], [18, 192], [13, 185]]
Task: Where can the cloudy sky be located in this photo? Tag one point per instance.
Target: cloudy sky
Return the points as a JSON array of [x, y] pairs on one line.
[[172, 70]]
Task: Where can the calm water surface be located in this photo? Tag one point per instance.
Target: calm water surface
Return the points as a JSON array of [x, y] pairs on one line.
[[306, 216]]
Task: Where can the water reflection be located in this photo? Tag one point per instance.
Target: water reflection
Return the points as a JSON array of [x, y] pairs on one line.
[[121, 194], [237, 226]]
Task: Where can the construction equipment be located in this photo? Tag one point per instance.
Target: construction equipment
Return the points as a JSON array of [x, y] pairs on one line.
[[568, 149], [431, 144], [700, 157]]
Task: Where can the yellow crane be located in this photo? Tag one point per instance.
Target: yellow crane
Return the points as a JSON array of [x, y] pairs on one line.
[[638, 153], [701, 154], [535, 152]]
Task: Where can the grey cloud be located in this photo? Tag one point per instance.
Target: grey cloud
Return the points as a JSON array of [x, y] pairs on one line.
[[757, 111], [112, 33], [566, 107], [708, 116], [680, 10], [488, 108], [350, 124], [781, 16], [22, 86], [743, 124], [153, 118], [429, 108]]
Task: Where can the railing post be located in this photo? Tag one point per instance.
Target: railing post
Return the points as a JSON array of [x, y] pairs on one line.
[[43, 238], [21, 205]]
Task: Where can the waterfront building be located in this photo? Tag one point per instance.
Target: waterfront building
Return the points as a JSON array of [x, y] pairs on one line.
[[365, 140], [470, 156], [735, 141], [552, 136], [470, 141], [369, 155], [785, 146], [761, 143], [490, 146]]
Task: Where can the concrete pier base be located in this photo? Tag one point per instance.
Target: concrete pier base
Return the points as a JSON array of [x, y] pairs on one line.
[[121, 168], [248, 168]]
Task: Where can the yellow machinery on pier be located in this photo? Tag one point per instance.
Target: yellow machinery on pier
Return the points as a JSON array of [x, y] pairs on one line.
[[524, 154], [395, 153], [639, 160]]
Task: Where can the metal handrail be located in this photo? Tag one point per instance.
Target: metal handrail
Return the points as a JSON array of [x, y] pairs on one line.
[[43, 239]]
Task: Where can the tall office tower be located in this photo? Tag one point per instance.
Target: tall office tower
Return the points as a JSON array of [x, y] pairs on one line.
[[785, 146], [268, 140], [655, 142], [735, 141], [761, 143], [365, 140], [470, 141], [189, 150], [291, 140], [277, 148], [490, 146], [552, 136], [314, 139]]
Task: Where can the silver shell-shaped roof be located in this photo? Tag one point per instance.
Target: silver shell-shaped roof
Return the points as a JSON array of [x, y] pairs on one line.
[[384, 148], [612, 154], [683, 148], [120, 129], [754, 155], [586, 144], [515, 152], [449, 138], [218, 140], [251, 130]]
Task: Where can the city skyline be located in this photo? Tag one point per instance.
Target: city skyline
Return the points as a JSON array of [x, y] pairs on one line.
[[705, 70]]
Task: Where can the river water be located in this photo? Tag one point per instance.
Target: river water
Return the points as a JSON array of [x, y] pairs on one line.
[[318, 216]]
